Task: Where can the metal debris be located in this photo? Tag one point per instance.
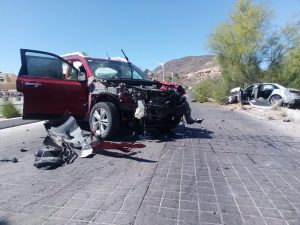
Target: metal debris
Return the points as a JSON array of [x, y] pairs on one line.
[[64, 136], [50, 157], [86, 152], [14, 160], [67, 129]]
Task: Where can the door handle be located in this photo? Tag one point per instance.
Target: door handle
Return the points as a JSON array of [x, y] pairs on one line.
[[34, 84]]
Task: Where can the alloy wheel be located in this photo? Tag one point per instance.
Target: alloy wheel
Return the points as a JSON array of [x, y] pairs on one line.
[[100, 121]]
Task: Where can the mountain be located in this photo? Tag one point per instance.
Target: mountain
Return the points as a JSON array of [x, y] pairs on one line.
[[189, 70]]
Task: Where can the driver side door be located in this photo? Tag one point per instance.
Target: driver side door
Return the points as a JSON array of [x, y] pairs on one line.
[[48, 93]]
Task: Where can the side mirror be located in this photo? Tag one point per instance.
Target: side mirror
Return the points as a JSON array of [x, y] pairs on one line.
[[81, 76]]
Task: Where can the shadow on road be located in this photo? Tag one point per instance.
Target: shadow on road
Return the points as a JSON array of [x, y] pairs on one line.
[[123, 155], [4, 222], [192, 132], [158, 136], [182, 132]]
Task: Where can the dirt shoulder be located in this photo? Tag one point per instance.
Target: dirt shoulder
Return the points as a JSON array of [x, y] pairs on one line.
[[282, 119]]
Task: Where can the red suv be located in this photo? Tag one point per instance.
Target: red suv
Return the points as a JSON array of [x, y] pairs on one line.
[[108, 93]]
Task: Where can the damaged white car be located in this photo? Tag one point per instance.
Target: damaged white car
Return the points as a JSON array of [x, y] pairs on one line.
[[271, 93]]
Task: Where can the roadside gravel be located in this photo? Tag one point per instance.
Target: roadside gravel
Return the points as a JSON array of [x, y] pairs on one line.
[[282, 119]]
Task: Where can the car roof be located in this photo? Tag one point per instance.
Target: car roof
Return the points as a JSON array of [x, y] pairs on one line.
[[276, 84], [74, 57]]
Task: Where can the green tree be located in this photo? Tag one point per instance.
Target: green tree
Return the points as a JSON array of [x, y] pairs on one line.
[[168, 78], [250, 50], [280, 52], [290, 69], [176, 77], [146, 71], [239, 42], [149, 73]]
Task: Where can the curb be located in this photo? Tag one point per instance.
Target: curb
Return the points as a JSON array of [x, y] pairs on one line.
[[5, 119], [14, 122]]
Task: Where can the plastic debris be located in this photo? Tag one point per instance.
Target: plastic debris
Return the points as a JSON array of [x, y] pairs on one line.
[[64, 136], [14, 160]]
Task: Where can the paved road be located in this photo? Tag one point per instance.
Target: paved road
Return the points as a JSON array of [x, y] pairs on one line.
[[14, 122], [229, 170]]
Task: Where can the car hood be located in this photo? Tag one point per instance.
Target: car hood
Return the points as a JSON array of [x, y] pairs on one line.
[[133, 82], [235, 89]]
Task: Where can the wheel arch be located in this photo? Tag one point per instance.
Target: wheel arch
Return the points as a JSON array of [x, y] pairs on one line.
[[273, 95], [104, 98]]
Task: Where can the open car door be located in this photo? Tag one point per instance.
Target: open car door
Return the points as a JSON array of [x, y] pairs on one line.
[[50, 86]]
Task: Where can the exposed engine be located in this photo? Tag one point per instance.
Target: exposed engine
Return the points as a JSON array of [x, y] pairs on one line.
[[158, 104]]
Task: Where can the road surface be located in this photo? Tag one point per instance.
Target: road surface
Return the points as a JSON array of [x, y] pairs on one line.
[[232, 169], [14, 122]]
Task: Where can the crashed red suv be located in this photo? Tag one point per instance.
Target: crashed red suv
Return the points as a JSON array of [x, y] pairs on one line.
[[108, 93]]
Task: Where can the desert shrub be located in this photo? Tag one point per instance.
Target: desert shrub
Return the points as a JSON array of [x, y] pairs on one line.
[[283, 112], [220, 91], [211, 89], [275, 107], [9, 110], [203, 91]]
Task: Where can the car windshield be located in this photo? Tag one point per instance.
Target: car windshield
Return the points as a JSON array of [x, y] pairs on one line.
[[109, 69]]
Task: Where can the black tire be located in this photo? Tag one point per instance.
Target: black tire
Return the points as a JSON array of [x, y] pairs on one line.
[[170, 123], [104, 120], [276, 100]]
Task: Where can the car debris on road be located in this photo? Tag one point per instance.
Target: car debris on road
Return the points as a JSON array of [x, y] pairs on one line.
[[64, 137], [14, 160]]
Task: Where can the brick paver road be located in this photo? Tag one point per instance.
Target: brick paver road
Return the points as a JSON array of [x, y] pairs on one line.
[[229, 170]]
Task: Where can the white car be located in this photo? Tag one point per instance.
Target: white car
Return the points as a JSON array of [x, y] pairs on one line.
[[270, 92]]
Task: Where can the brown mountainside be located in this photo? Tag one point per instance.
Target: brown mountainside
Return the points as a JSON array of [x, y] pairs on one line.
[[189, 70]]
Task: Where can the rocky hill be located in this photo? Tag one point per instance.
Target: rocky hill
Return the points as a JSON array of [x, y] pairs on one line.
[[189, 70]]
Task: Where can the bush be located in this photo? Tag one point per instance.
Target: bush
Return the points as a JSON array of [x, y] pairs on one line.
[[211, 89], [9, 110], [203, 91]]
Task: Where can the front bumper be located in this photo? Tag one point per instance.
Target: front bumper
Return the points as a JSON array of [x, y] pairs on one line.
[[295, 102], [161, 111]]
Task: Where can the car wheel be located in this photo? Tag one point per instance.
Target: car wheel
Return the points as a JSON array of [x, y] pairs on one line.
[[170, 123], [104, 120], [276, 100]]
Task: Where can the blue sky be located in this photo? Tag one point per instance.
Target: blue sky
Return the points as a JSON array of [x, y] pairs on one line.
[[150, 32]]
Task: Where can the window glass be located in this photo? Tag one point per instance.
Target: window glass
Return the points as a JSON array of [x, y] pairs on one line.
[[78, 65], [106, 73], [268, 87], [73, 74], [109, 69], [126, 70], [249, 90], [42, 65]]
